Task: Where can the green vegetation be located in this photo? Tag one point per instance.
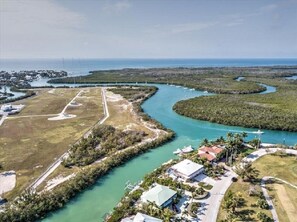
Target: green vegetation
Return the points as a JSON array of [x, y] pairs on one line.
[[104, 139], [32, 206], [278, 165], [218, 80], [266, 111], [246, 171], [240, 203]]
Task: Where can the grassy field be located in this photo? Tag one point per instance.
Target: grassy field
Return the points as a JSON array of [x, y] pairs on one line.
[[53, 101], [266, 111], [29, 145], [248, 210], [284, 199], [271, 165], [281, 167]]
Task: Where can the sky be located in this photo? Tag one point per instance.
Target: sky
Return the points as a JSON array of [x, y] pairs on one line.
[[148, 29]]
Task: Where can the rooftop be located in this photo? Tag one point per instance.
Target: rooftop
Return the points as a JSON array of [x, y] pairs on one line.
[[139, 217], [158, 194], [187, 167]]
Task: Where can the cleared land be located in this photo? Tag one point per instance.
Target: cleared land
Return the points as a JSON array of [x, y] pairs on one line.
[[29, 145]]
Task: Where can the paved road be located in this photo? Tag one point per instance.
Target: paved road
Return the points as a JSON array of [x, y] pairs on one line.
[[211, 205], [268, 199]]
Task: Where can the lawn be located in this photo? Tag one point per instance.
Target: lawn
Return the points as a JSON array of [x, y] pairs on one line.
[[270, 165], [248, 210], [29, 145], [284, 199], [281, 167]]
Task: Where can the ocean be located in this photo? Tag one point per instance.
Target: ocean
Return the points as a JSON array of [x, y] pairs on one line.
[[83, 66]]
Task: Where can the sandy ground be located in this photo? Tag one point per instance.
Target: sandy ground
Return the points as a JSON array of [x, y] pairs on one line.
[[7, 181], [52, 91], [62, 116], [56, 181], [285, 201]]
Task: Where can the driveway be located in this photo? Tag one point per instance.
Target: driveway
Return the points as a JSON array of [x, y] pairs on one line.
[[210, 206]]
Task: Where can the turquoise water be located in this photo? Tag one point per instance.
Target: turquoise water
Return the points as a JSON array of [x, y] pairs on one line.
[[15, 94], [95, 202]]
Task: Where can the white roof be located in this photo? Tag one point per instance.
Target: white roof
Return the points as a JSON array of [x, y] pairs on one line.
[[139, 217], [187, 167], [158, 194]]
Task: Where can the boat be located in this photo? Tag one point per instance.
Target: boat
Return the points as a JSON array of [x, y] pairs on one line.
[[205, 91], [178, 151], [192, 89], [188, 149], [259, 132]]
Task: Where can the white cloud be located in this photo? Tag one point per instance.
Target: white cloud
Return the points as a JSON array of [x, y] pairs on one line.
[[117, 6], [27, 26], [41, 13]]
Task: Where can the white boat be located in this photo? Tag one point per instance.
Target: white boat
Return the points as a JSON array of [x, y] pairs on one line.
[[205, 91], [192, 89], [178, 86], [188, 149], [259, 132], [178, 151]]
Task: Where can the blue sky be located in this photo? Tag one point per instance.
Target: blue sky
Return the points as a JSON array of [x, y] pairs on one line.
[[148, 29]]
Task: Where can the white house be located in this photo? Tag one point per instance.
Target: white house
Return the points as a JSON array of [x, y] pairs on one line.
[[162, 196], [139, 217], [186, 169]]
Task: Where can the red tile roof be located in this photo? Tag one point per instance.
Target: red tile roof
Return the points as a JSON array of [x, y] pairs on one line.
[[211, 149], [208, 156]]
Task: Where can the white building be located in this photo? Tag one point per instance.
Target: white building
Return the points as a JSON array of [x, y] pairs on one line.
[[186, 169], [162, 196], [139, 217]]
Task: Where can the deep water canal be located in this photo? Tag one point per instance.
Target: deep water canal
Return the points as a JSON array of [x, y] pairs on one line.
[[94, 203]]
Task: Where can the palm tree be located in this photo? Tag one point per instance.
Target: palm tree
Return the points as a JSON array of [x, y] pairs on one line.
[[232, 201], [246, 171]]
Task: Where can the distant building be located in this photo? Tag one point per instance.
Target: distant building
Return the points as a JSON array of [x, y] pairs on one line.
[[186, 169], [6, 108], [139, 217], [162, 196], [210, 152]]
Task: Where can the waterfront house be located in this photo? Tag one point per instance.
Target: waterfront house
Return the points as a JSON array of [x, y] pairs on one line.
[[186, 169], [139, 217], [210, 152], [161, 195]]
